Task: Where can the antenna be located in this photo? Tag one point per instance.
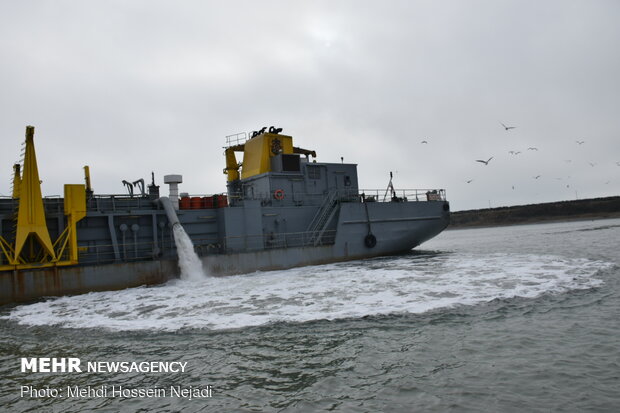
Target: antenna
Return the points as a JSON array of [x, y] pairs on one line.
[[390, 188]]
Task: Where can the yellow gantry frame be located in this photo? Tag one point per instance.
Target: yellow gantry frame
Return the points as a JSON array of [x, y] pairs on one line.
[[31, 222], [31, 216], [75, 210]]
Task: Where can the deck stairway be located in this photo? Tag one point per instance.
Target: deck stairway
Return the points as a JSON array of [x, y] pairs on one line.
[[323, 217]]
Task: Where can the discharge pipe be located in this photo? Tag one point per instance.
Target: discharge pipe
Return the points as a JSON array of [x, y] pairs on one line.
[[170, 211], [189, 263]]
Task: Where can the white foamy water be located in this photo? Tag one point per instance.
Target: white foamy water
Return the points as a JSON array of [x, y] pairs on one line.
[[412, 284], [189, 263]]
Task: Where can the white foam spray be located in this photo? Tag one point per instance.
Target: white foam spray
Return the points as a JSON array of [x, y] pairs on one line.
[[333, 291], [189, 263]]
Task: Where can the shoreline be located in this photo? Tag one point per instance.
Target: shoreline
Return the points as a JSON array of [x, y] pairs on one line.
[[536, 221], [563, 211]]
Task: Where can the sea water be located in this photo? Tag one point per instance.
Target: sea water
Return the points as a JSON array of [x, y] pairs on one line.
[[520, 318]]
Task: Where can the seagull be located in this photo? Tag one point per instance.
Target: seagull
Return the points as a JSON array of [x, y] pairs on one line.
[[567, 161], [514, 152], [618, 163], [592, 164], [470, 181], [423, 142], [531, 148], [580, 142], [507, 127], [537, 176], [484, 162]]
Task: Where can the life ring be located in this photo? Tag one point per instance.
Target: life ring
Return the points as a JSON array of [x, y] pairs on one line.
[[278, 194], [370, 241]]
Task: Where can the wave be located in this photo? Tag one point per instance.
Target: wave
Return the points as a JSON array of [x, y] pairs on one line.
[[406, 284]]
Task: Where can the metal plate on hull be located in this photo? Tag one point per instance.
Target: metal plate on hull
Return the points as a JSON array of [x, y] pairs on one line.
[[27, 285]]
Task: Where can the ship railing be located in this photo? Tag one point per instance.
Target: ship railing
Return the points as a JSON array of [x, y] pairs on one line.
[[53, 204], [105, 253], [188, 195], [204, 246], [99, 254], [99, 202], [296, 198], [114, 202], [8, 205], [236, 139], [7, 252], [402, 195], [128, 251], [345, 195], [258, 242]]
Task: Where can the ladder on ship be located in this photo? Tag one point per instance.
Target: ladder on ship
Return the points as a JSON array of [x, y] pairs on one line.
[[322, 218]]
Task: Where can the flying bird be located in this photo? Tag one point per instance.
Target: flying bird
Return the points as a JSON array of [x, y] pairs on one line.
[[531, 148], [618, 163], [507, 127], [537, 176], [470, 181], [484, 162], [423, 142], [580, 142], [592, 164]]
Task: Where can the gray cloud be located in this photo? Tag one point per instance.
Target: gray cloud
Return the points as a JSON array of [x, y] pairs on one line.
[[130, 87]]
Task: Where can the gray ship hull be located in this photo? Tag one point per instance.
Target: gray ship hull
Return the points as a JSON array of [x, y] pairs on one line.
[[28, 285], [398, 227]]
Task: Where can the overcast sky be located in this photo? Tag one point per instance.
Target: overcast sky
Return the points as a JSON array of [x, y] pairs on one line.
[[129, 87]]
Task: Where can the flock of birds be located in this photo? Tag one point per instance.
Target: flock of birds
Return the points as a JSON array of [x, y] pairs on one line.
[[531, 148], [508, 128]]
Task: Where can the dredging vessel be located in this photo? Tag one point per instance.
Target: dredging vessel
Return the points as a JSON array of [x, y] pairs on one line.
[[282, 209]]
